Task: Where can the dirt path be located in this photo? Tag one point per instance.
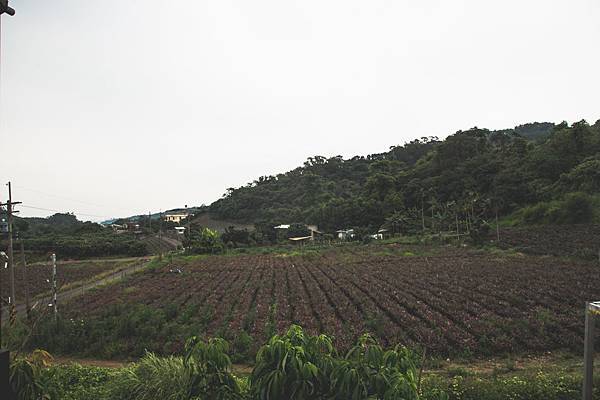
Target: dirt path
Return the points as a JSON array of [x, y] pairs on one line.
[[93, 260], [90, 362], [495, 366], [238, 369], [173, 242], [69, 293]]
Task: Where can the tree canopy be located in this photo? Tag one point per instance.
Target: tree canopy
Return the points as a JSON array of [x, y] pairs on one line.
[[501, 171]]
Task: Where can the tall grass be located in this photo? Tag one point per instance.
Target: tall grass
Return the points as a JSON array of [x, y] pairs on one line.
[[153, 378]]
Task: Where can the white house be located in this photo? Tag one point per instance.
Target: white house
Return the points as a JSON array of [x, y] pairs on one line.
[[175, 217]]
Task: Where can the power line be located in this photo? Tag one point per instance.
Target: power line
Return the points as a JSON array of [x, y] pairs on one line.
[[62, 198], [57, 197], [62, 211]]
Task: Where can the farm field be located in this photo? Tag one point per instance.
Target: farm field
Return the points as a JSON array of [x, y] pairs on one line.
[[577, 241], [452, 301], [67, 273]]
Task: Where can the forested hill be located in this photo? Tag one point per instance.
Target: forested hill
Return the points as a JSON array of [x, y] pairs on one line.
[[477, 171]]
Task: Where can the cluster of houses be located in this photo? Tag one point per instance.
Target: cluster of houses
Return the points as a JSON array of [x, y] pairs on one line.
[[348, 234], [342, 234], [283, 229], [177, 218], [134, 226]]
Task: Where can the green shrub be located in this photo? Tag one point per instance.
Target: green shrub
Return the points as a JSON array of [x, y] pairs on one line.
[[152, 378], [541, 386], [205, 241], [300, 366], [204, 373], [293, 366], [30, 378], [76, 382], [242, 347], [574, 208]]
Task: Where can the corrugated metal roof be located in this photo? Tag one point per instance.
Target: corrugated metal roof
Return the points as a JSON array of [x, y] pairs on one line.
[[296, 239]]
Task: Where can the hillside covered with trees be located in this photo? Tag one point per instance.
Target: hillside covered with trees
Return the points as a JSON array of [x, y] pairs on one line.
[[64, 234], [537, 173]]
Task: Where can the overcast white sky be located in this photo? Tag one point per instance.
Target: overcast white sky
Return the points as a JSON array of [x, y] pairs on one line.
[[113, 108]]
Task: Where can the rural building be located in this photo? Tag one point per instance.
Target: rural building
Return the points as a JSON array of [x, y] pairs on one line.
[[381, 234], [180, 230], [175, 217], [314, 231], [301, 239], [345, 234]]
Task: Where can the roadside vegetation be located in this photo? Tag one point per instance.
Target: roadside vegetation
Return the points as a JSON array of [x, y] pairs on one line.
[[295, 365]]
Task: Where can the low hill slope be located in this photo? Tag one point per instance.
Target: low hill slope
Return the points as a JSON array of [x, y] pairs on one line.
[[472, 173]]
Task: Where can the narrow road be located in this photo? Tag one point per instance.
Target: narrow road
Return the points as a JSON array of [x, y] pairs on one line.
[[91, 260], [66, 294]]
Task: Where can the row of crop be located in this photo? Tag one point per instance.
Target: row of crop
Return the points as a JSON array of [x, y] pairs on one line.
[[37, 276], [482, 295], [452, 306]]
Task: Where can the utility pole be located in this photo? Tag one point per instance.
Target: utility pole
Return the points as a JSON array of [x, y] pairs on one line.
[[5, 386], [11, 268], [497, 227], [4, 258], [422, 213], [25, 282], [592, 310], [189, 222], [160, 252], [54, 297]]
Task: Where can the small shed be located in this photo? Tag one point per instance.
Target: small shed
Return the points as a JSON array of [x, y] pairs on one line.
[[301, 239]]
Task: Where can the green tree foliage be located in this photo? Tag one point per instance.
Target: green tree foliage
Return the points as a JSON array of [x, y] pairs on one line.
[[297, 230], [235, 236], [204, 373], [204, 241], [30, 378], [293, 366], [85, 245], [71, 238], [507, 170], [299, 366], [574, 208]]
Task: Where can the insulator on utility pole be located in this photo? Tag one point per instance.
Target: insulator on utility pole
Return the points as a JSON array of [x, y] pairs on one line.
[[5, 8], [11, 270]]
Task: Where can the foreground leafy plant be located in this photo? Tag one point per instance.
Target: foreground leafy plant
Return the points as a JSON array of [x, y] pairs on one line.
[[204, 373], [293, 366], [210, 369], [30, 377], [300, 366]]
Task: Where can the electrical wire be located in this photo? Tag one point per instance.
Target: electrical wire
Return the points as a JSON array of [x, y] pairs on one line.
[[61, 211], [56, 196]]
